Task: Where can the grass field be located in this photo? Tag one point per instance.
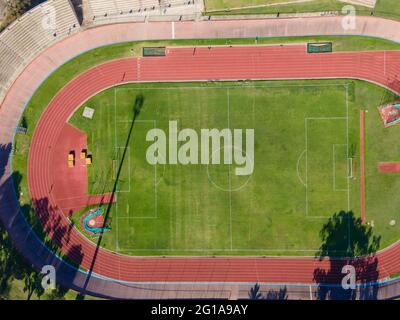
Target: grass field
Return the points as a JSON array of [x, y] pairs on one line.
[[305, 131], [17, 293], [385, 8], [272, 6]]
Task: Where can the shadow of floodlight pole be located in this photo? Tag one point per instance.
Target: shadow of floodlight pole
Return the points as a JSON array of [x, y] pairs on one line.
[[136, 110]]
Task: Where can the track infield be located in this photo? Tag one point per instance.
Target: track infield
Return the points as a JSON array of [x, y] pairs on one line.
[[306, 137]]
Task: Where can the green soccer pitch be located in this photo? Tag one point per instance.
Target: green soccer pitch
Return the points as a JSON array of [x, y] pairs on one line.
[[306, 132]]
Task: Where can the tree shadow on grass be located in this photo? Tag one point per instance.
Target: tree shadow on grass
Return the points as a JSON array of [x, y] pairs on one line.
[[346, 241]]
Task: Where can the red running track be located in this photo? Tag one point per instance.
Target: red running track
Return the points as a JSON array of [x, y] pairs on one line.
[[185, 64]]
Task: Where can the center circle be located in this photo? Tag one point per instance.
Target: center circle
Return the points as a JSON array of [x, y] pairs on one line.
[[217, 176]]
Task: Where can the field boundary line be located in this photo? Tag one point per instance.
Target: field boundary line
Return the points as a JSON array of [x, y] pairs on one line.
[[348, 145], [229, 175], [306, 138], [263, 250], [297, 168], [334, 167], [129, 169], [362, 169], [243, 85], [129, 121], [282, 3], [116, 147], [116, 157]]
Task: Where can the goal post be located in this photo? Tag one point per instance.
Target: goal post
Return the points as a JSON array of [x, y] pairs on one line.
[[351, 167], [154, 51], [319, 47]]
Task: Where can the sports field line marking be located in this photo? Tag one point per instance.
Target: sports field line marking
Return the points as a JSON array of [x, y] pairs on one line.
[[297, 168], [281, 3], [155, 216], [116, 147], [347, 137], [350, 167], [129, 169], [306, 138], [116, 156], [348, 178], [327, 118], [229, 176], [362, 166], [346, 87], [334, 167], [129, 121], [243, 85], [137, 218], [235, 250], [155, 181]]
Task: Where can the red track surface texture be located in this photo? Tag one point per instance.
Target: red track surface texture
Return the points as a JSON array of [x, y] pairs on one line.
[[71, 184], [392, 167], [182, 64]]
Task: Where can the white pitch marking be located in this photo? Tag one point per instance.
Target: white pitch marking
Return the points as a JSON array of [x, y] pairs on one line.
[[171, 249], [334, 168], [298, 165]]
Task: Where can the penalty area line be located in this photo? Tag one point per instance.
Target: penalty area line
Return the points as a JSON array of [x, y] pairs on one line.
[[362, 168]]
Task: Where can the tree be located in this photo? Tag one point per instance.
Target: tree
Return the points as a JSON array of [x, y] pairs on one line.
[[14, 9], [56, 294], [33, 284], [347, 241], [6, 264]]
